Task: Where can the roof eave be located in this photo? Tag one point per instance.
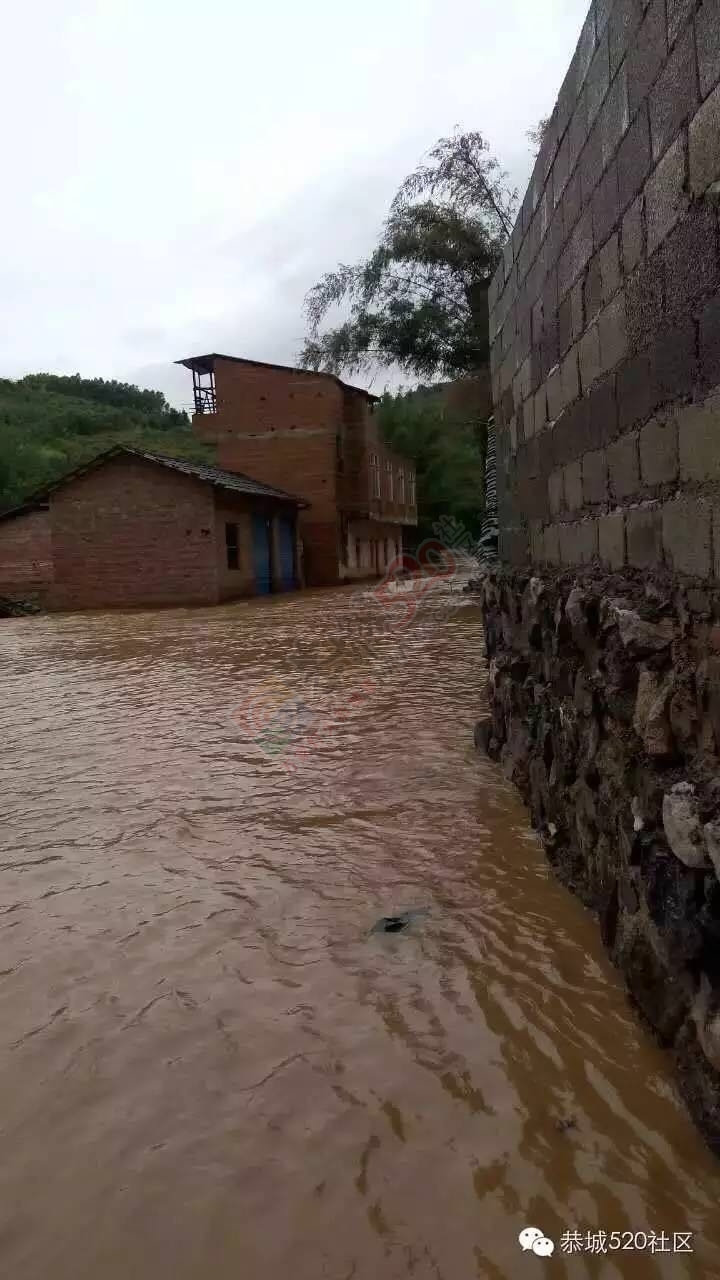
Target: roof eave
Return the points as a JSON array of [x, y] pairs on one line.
[[206, 364], [25, 509]]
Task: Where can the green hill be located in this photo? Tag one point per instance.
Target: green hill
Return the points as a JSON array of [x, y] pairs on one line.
[[50, 424]]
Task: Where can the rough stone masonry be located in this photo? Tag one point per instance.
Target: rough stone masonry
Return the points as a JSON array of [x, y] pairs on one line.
[[603, 626]]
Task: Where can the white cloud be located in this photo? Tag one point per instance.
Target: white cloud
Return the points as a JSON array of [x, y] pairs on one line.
[[177, 177]]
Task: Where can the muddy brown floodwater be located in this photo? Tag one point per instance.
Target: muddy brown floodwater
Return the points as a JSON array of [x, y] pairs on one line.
[[209, 1067]]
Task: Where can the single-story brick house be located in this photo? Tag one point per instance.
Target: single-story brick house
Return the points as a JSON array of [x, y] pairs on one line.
[[26, 567], [131, 528]]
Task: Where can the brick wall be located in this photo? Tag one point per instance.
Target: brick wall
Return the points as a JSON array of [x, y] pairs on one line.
[[129, 533], [26, 565], [262, 397], [387, 507], [291, 429], [279, 427], [605, 312], [241, 581], [301, 462]]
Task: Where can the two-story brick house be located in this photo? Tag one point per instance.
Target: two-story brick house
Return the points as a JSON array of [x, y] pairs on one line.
[[316, 436]]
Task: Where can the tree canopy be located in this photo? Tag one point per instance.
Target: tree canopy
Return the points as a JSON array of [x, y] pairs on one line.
[[50, 424], [419, 301], [119, 395], [448, 456]]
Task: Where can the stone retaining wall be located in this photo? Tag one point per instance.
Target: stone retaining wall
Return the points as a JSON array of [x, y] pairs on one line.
[[604, 692]]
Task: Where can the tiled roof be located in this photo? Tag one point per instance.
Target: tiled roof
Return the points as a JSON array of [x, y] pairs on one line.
[[233, 481]]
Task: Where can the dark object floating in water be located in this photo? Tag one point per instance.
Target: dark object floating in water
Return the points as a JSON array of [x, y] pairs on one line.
[[569, 1122], [393, 924], [396, 924]]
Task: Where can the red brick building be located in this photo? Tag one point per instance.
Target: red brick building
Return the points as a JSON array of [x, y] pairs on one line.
[[315, 435], [26, 563], [132, 528]]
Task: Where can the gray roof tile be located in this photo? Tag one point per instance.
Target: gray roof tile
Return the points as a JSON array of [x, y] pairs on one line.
[[233, 480]]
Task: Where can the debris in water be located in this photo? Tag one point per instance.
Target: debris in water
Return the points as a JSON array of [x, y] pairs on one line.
[[568, 1122], [396, 924]]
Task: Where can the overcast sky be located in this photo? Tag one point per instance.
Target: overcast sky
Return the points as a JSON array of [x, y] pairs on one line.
[[176, 175]]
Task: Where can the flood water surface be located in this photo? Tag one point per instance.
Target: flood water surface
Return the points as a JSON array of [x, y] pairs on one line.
[[211, 1063]]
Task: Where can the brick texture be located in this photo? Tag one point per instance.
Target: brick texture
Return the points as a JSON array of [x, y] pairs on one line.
[[707, 34], [674, 97], [289, 428], [632, 236], [579, 542], [625, 18], [646, 54], [659, 452], [26, 560], [665, 199], [704, 141], [595, 476], [129, 533], [624, 467], [686, 524], [644, 537], [709, 343], [617, 256], [698, 431], [677, 12], [611, 539], [634, 158]]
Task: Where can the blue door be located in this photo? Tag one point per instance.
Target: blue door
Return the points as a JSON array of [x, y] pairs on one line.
[[261, 554], [286, 541]]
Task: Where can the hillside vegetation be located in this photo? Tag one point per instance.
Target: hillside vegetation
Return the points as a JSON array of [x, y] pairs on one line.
[[50, 424]]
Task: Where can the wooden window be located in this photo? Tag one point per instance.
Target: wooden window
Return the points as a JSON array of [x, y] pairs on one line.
[[389, 480], [401, 487], [411, 489], [232, 546]]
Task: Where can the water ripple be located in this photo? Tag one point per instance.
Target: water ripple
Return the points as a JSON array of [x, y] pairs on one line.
[[209, 1063]]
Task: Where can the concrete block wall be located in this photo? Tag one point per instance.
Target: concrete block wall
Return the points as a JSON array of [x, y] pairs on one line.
[[605, 310]]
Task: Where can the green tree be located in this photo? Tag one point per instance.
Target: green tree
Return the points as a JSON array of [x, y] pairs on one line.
[[536, 136], [449, 462], [51, 424], [419, 302], [118, 395]]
